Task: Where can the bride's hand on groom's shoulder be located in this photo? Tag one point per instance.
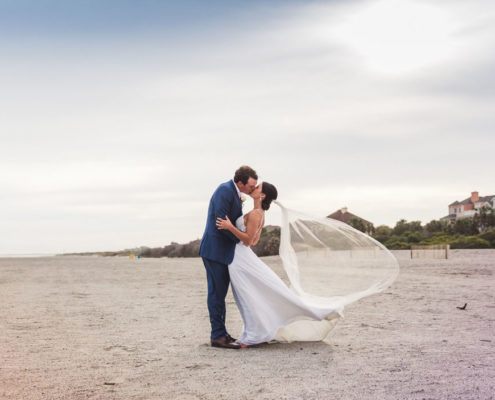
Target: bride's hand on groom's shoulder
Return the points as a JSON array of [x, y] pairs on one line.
[[224, 223]]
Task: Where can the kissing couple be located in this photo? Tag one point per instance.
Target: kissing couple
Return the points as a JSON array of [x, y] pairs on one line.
[[269, 309]]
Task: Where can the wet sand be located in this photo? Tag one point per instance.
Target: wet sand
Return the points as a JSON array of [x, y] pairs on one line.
[[116, 328]]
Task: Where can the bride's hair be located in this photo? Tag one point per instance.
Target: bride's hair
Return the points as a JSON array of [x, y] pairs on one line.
[[270, 192]]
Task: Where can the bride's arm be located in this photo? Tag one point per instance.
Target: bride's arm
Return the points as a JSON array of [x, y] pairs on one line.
[[247, 237]]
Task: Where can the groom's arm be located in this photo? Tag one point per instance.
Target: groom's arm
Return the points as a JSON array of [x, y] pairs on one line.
[[223, 204]]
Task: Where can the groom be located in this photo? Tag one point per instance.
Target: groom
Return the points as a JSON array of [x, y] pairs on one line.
[[217, 249]]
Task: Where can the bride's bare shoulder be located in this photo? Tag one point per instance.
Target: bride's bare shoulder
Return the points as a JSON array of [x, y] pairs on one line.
[[253, 214]]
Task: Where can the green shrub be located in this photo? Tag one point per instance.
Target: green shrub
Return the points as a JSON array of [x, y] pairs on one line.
[[488, 235], [413, 237], [438, 238], [470, 242], [466, 226], [394, 244], [361, 225], [435, 226], [402, 226], [382, 233]]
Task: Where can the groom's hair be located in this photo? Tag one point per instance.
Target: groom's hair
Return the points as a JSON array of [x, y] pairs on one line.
[[244, 173]]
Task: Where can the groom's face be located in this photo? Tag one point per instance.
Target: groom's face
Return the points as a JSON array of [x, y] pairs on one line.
[[249, 186]]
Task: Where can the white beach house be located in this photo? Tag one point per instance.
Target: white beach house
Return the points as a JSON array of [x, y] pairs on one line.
[[470, 206]]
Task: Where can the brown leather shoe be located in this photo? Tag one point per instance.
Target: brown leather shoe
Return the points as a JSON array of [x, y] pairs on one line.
[[224, 343], [231, 339]]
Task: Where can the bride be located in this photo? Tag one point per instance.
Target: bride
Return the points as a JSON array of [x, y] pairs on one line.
[[269, 309]]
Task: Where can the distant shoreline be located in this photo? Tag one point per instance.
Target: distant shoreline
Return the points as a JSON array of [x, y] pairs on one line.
[[28, 255]]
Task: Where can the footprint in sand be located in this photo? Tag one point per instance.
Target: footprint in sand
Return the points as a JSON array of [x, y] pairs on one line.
[[118, 347]]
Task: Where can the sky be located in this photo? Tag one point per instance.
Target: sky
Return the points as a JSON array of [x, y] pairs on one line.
[[118, 119]]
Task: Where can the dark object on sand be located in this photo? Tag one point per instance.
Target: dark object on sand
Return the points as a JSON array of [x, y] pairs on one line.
[[463, 307]]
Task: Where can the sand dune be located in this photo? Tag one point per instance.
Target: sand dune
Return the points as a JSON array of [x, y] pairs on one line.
[[115, 328]]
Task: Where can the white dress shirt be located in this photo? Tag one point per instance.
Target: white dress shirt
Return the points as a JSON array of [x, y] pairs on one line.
[[238, 191]]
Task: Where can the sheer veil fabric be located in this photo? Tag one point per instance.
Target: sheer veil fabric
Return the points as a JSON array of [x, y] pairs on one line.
[[329, 265]]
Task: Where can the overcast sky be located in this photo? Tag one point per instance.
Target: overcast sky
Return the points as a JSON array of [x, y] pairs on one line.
[[118, 119]]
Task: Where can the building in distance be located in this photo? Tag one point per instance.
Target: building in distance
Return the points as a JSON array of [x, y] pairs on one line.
[[343, 215], [469, 207]]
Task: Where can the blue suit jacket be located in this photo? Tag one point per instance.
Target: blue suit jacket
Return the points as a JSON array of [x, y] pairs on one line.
[[219, 245]]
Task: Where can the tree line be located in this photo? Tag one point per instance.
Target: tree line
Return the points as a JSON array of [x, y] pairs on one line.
[[477, 232], [267, 246]]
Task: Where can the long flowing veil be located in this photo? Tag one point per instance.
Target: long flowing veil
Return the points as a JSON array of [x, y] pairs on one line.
[[329, 263]]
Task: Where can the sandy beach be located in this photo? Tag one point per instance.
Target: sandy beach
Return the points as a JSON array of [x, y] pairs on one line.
[[120, 328]]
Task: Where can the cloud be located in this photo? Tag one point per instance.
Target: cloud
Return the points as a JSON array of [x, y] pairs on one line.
[[118, 137]]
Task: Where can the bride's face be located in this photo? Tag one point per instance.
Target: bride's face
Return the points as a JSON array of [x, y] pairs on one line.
[[257, 193]]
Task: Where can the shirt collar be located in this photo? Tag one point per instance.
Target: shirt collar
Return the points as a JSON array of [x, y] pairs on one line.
[[237, 189]]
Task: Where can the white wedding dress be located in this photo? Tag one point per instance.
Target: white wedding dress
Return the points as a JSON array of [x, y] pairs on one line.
[[270, 310]]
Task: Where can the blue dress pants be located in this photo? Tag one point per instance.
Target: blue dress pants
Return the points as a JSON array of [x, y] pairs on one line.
[[218, 278]]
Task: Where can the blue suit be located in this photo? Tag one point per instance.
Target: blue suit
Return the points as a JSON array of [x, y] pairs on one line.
[[217, 250]]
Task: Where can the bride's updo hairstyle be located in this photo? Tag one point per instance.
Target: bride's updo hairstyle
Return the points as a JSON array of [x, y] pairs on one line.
[[270, 192]]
